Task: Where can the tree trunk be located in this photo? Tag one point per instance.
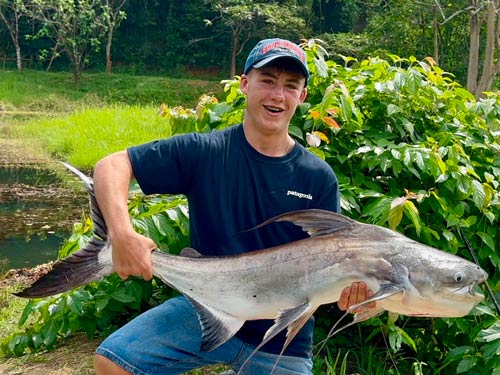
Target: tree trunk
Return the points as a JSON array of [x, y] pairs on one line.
[[475, 27], [19, 57], [108, 49], [13, 29], [234, 53], [435, 29], [488, 74]]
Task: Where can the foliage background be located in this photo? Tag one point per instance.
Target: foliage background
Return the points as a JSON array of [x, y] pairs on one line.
[[190, 37], [413, 150]]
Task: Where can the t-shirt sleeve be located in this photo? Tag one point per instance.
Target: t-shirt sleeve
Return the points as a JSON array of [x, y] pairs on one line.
[[329, 197], [166, 166]]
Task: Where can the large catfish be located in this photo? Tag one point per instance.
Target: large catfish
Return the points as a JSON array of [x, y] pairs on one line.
[[288, 283]]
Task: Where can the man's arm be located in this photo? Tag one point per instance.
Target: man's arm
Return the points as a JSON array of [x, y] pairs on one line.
[[131, 251]]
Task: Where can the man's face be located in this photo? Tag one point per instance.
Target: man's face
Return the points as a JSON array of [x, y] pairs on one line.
[[273, 94]]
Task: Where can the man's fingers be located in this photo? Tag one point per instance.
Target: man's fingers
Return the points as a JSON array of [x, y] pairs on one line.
[[369, 294], [147, 275], [357, 293], [123, 276], [344, 299]]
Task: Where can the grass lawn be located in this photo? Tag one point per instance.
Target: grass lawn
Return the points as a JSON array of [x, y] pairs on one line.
[[123, 110]]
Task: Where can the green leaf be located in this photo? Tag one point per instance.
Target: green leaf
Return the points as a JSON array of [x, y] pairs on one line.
[[28, 309], [490, 334], [101, 304], [396, 212], [123, 296], [478, 194], [465, 365], [411, 212], [74, 304], [296, 132], [393, 109], [318, 152], [487, 240], [459, 352], [463, 183], [49, 332]]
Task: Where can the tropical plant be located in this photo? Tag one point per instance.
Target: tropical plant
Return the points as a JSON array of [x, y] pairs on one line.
[[413, 151]]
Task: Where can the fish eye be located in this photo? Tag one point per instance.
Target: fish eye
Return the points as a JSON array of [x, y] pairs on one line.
[[458, 277]]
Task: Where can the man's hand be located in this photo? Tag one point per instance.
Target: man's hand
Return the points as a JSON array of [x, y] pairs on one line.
[[132, 255], [358, 292]]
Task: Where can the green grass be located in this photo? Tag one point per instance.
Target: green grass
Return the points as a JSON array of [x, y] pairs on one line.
[[56, 92], [105, 113], [86, 136]]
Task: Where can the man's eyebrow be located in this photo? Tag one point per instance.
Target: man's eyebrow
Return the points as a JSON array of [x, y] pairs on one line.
[[269, 73]]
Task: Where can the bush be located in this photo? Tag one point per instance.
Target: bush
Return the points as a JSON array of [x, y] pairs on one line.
[[413, 151]]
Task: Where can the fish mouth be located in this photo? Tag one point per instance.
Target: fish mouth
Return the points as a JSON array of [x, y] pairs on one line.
[[475, 290]]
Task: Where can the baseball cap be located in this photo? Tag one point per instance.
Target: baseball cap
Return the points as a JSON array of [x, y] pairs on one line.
[[268, 50]]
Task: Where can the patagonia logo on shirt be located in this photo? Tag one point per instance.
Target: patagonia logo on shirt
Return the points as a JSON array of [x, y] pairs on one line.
[[299, 195]]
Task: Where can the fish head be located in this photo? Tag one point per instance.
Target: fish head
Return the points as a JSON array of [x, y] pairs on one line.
[[447, 287]]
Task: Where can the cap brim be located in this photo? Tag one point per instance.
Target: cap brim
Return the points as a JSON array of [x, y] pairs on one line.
[[267, 60]]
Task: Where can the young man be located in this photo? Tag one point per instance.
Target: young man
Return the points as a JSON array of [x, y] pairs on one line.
[[234, 179]]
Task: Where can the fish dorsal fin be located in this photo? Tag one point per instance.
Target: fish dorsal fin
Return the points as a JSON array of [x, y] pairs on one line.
[[294, 319], [190, 253], [314, 221], [217, 326]]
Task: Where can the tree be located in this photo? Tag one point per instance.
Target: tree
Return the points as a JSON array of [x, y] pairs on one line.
[[251, 19], [482, 12], [114, 16], [11, 12], [77, 25], [440, 29]]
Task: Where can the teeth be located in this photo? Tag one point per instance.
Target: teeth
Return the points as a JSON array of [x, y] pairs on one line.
[[273, 109]]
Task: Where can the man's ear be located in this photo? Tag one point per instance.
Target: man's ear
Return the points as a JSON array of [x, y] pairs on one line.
[[244, 83], [303, 95]]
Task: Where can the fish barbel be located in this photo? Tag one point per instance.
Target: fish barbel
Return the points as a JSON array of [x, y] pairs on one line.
[[287, 283]]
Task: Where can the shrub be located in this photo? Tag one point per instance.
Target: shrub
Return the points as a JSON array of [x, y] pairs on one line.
[[413, 151]]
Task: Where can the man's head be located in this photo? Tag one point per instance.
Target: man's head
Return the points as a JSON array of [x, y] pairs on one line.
[[277, 52], [274, 82]]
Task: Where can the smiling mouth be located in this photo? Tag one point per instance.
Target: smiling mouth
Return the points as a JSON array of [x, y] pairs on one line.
[[273, 109]]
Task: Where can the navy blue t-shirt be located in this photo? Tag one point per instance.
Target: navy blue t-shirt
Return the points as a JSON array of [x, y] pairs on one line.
[[232, 188]]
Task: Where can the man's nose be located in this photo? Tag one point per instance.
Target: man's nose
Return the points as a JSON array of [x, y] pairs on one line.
[[278, 91]]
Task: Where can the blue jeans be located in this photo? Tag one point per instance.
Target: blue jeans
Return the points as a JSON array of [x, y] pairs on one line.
[[167, 339]]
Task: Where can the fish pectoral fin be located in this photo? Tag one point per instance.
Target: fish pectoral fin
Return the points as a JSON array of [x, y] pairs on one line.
[[294, 319], [384, 292], [296, 326], [286, 318], [190, 253], [217, 326]]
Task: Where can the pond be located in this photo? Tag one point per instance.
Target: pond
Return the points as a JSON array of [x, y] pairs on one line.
[[37, 213]]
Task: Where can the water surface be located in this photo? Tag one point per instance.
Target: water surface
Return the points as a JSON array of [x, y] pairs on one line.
[[37, 212]]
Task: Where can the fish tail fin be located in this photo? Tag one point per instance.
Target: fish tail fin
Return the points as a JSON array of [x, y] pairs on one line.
[[82, 267]]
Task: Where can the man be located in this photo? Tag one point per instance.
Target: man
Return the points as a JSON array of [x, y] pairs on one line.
[[234, 179]]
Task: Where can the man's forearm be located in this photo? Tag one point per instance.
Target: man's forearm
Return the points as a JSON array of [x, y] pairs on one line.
[[112, 176]]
